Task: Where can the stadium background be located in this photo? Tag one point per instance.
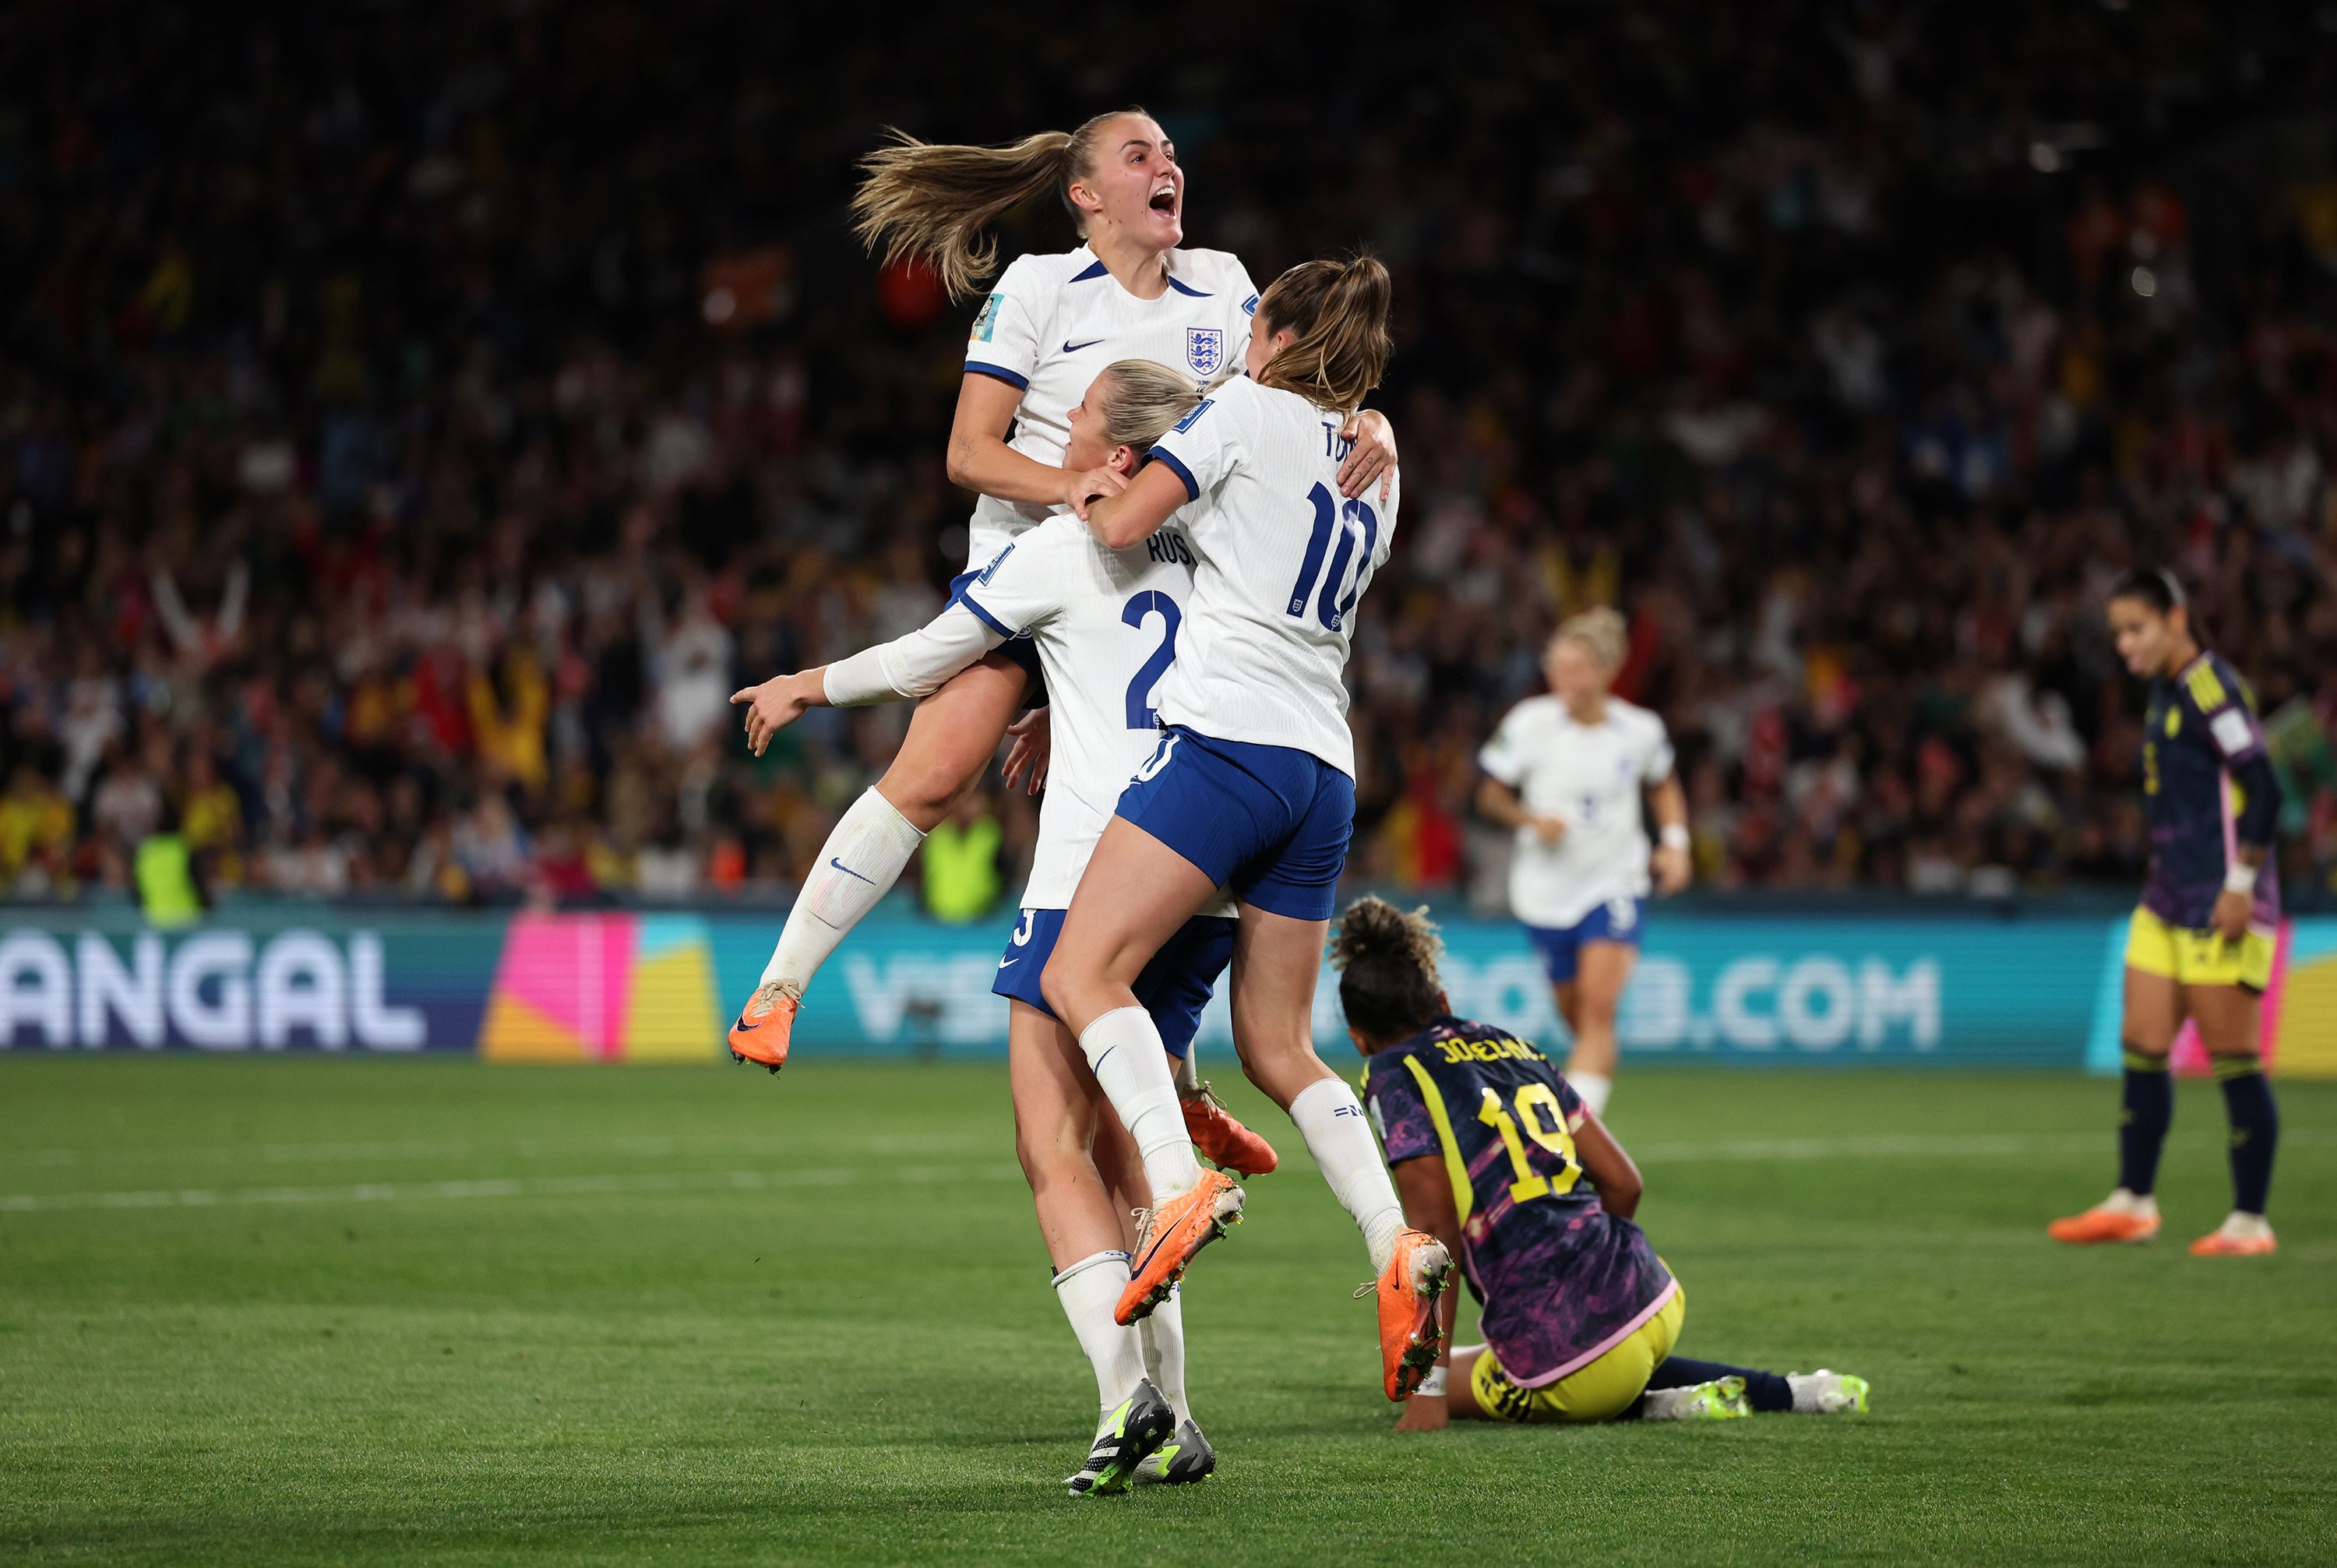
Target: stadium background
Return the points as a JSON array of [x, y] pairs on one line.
[[419, 420]]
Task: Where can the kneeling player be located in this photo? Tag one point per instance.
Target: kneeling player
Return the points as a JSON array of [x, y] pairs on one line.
[[1490, 1147]]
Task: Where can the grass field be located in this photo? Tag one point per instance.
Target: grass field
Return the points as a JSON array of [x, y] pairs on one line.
[[366, 1311]]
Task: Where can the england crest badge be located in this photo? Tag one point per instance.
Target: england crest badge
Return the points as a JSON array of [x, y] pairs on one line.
[[1205, 349]]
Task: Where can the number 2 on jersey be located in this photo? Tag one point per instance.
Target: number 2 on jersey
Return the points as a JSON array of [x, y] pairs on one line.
[[1534, 1102], [1139, 691], [1358, 520]]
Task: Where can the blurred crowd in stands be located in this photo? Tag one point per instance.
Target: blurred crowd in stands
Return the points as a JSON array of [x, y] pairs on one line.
[[415, 420]]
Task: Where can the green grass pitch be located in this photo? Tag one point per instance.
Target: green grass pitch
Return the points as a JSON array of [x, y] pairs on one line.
[[375, 1311]]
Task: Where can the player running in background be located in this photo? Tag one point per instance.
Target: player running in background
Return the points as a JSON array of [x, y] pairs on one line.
[[1566, 771], [1128, 291], [1490, 1148], [2200, 946], [1252, 786], [1104, 623]]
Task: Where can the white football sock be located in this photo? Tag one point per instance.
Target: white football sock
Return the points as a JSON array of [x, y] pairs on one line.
[[1123, 1050], [1339, 1136], [1188, 1072], [2140, 1206], [1089, 1292], [1163, 1337], [1594, 1088], [863, 858]]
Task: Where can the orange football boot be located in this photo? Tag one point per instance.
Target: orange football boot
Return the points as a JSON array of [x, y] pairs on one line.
[[761, 1033], [2257, 1243], [1222, 1141], [2100, 1224], [1169, 1237], [1410, 1336]]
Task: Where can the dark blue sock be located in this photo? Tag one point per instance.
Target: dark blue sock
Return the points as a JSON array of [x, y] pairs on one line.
[[2145, 1107], [2255, 1129], [1769, 1392]]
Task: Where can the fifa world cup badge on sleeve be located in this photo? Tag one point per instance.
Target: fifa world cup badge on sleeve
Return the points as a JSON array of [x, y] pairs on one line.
[[985, 320], [1205, 349]]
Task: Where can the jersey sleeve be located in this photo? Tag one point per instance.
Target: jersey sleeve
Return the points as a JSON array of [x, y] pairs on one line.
[[1206, 444], [1570, 1104], [1246, 292], [1503, 757], [1008, 329], [1023, 586], [1657, 764], [915, 664], [2213, 690]]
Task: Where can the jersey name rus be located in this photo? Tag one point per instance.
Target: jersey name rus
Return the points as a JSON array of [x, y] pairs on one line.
[[1283, 563], [1106, 624], [2198, 725], [1563, 1280], [1053, 322], [1590, 776]]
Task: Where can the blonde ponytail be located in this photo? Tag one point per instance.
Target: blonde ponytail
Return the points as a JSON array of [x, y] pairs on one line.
[[931, 201], [1142, 400]]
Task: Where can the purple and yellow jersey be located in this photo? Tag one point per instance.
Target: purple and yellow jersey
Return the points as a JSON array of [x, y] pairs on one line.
[[2201, 726], [1561, 1280]]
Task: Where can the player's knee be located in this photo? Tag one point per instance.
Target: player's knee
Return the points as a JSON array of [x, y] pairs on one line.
[[926, 789], [2138, 1058], [1055, 985]]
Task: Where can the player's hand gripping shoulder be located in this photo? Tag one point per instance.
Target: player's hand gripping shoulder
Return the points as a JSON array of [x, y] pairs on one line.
[[778, 703], [1130, 516], [1373, 457]]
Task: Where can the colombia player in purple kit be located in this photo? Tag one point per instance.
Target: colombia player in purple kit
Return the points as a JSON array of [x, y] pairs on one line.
[[1496, 1155], [2200, 945]]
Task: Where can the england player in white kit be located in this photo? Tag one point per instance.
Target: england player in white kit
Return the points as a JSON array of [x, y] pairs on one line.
[[1568, 771], [1252, 786], [1130, 291], [1105, 626]]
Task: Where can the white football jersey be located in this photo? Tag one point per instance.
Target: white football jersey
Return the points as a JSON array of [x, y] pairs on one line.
[[1591, 775], [1283, 563], [1106, 624], [1053, 322]]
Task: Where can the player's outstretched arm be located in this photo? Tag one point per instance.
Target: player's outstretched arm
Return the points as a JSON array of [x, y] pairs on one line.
[[916, 664], [1611, 1170]]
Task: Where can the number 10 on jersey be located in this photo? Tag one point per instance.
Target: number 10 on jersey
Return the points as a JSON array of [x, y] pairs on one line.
[[1356, 524]]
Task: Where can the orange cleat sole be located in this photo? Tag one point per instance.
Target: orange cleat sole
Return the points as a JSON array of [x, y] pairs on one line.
[[1225, 1142], [1411, 1338], [2098, 1227], [762, 1033], [2215, 1244], [1174, 1234]]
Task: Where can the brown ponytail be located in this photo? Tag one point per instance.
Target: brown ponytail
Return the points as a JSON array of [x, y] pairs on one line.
[[931, 201], [1339, 314]]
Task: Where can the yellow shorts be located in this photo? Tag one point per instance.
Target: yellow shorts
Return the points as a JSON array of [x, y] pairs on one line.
[[1598, 1391], [2197, 958]]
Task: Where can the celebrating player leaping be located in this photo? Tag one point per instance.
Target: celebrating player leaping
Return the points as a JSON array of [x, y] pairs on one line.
[[2201, 944], [1105, 625], [1252, 786], [1128, 291], [1566, 771]]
